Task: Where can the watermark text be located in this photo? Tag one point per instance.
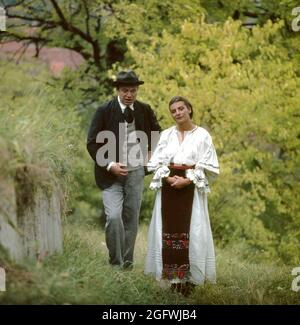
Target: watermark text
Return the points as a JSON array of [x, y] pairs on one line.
[[132, 147], [296, 21]]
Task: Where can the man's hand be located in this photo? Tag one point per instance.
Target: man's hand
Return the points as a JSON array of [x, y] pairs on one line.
[[180, 182], [118, 169]]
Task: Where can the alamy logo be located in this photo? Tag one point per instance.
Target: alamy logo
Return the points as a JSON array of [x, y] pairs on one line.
[[2, 279], [2, 19], [134, 143], [296, 21]]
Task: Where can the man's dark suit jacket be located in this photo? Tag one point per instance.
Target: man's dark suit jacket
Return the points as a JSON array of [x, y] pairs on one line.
[[107, 118]]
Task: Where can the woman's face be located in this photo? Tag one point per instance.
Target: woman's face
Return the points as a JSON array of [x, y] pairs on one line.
[[180, 112]]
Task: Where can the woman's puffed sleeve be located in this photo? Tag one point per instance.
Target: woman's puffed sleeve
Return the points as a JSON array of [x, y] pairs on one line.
[[207, 165], [197, 176], [158, 162], [208, 156]]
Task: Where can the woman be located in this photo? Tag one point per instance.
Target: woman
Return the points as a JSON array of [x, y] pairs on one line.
[[180, 243]]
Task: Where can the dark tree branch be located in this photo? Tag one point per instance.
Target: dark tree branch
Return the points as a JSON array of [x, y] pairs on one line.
[[38, 42], [37, 49], [77, 11], [250, 14], [34, 39], [20, 52], [73, 29], [33, 19], [48, 23], [68, 26], [98, 25], [87, 19], [14, 4]]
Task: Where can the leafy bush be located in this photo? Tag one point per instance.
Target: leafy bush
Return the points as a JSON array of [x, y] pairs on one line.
[[244, 86]]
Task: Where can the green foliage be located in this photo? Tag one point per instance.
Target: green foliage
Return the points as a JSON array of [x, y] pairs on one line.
[[245, 89], [82, 275], [275, 10], [148, 201], [137, 21], [39, 127], [258, 12], [220, 11]]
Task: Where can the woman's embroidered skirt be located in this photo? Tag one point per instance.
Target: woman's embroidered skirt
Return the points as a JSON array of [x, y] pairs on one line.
[[176, 207]]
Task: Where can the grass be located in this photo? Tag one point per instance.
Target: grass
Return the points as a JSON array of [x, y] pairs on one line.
[[81, 275]]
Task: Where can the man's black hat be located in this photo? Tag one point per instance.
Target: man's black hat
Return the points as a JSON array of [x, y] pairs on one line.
[[127, 78]]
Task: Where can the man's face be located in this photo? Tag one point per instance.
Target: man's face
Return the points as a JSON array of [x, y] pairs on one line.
[[127, 94]]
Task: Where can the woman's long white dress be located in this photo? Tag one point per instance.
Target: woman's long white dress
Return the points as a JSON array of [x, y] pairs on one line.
[[196, 149]]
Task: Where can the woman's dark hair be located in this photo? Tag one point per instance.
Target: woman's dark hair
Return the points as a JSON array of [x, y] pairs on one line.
[[176, 99]]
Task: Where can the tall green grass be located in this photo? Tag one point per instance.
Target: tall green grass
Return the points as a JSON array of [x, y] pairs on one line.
[[39, 125], [82, 275]]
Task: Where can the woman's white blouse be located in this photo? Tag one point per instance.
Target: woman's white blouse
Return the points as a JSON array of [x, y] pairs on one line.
[[196, 149]]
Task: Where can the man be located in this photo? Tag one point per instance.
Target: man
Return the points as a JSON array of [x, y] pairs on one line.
[[119, 166]]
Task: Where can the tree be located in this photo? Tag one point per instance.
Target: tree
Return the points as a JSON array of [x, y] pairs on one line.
[[244, 88]]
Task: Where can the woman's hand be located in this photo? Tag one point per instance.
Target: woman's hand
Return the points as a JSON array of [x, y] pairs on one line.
[[179, 182], [171, 180]]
